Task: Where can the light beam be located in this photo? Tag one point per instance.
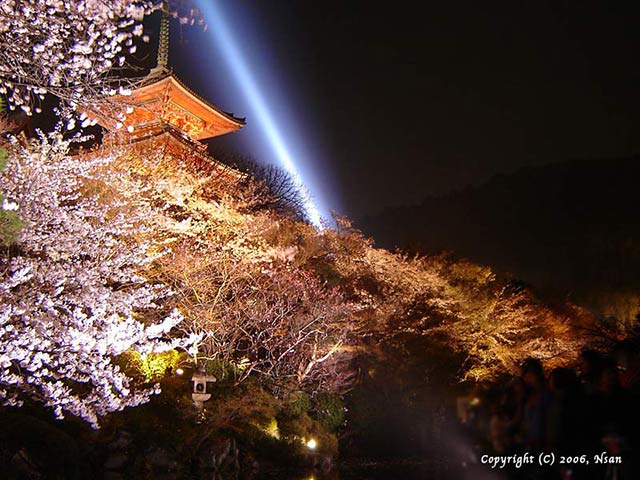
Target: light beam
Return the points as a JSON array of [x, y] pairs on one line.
[[219, 29]]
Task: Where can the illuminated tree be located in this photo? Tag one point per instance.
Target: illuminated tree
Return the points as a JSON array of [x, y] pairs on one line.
[[75, 50], [494, 324], [268, 187], [275, 189], [498, 324], [72, 297], [272, 321], [256, 311], [66, 48]]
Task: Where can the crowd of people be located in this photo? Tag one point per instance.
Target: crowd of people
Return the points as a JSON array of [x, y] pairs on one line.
[[588, 417]]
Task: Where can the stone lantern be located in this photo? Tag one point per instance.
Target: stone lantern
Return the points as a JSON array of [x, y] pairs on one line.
[[202, 384]]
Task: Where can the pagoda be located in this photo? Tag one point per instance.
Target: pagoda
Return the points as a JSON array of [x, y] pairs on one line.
[[163, 113]]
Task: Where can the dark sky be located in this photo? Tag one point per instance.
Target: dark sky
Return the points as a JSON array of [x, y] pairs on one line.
[[406, 99]]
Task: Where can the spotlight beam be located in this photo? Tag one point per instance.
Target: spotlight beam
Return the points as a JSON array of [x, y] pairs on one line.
[[239, 67]]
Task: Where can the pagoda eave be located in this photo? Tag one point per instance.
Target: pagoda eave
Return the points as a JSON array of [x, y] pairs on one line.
[[164, 99]]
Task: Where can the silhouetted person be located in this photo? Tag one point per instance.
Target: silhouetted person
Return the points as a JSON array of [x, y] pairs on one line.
[[627, 358], [566, 414], [513, 403], [535, 406], [612, 412], [591, 364]]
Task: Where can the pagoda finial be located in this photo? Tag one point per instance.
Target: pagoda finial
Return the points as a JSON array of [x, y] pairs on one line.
[[162, 62], [163, 45]]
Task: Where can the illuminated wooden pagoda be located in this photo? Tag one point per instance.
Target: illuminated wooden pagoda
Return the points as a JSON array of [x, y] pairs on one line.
[[163, 112]]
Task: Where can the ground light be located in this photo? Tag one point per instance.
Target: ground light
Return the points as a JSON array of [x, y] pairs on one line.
[[312, 444], [218, 28]]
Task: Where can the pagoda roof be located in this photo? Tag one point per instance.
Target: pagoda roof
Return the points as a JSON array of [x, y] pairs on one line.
[[160, 99], [164, 99], [187, 147]]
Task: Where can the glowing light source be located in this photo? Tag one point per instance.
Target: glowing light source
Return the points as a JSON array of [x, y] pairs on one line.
[[244, 363], [312, 444], [219, 29], [179, 371], [155, 365]]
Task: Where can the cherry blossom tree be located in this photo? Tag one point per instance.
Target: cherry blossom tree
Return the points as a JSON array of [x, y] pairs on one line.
[[66, 48], [72, 293]]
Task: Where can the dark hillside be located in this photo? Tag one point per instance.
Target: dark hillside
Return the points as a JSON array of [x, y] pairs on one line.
[[572, 228]]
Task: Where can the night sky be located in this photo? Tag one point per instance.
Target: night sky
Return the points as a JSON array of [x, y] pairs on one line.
[[388, 104]]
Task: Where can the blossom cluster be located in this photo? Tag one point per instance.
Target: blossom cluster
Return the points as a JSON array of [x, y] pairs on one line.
[[72, 295], [65, 47]]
